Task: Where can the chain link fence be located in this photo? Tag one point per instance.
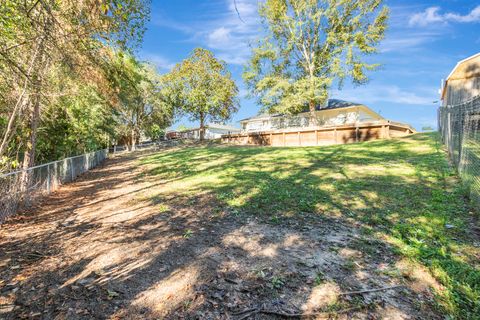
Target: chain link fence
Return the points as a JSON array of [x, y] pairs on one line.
[[125, 148], [459, 127], [25, 185]]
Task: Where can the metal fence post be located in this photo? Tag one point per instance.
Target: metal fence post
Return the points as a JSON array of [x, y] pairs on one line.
[[71, 169], [11, 193], [48, 179], [459, 125]]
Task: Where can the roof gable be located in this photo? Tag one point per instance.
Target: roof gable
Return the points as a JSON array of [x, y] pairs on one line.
[[331, 105], [222, 127], [467, 68]]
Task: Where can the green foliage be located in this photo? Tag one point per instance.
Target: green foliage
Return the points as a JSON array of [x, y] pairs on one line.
[[155, 131], [141, 105], [49, 50], [188, 234], [402, 191], [75, 125], [183, 127], [309, 45], [277, 282], [427, 128], [202, 87]]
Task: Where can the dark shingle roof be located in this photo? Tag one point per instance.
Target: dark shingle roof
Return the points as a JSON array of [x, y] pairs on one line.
[[331, 104], [337, 104]]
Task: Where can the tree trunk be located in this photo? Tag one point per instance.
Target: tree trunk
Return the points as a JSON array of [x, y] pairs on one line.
[[33, 100], [134, 140], [202, 126], [9, 130], [313, 116], [22, 101], [29, 157]]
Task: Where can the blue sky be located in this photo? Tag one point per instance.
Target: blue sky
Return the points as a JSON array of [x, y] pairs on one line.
[[424, 42]]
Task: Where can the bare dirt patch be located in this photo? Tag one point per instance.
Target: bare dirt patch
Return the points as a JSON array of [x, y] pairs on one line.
[[99, 248]]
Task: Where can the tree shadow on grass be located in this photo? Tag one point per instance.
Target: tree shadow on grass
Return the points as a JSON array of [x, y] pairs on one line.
[[243, 228]]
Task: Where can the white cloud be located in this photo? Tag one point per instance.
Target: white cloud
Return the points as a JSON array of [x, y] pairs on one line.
[[433, 15], [219, 37], [473, 16], [231, 33], [228, 33], [405, 41], [387, 93], [245, 7], [162, 63]]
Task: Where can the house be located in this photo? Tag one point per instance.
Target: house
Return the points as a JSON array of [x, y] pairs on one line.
[[337, 122], [335, 113], [463, 83], [212, 131]]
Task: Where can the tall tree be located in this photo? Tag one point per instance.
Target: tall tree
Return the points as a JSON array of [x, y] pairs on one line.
[[39, 36], [203, 88], [310, 45], [141, 106]]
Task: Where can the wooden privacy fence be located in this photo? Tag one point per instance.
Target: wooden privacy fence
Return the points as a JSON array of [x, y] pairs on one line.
[[319, 136]]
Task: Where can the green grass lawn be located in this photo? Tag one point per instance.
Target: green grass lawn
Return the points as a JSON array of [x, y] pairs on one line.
[[400, 191]]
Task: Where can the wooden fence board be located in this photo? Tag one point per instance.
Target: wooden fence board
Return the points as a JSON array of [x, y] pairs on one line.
[[322, 135]]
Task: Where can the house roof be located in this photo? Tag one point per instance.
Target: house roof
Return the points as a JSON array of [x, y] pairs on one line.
[[222, 126], [331, 104], [215, 126], [466, 68]]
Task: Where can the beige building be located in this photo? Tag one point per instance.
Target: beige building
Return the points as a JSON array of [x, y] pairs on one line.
[[335, 113], [463, 83], [338, 122], [212, 131]]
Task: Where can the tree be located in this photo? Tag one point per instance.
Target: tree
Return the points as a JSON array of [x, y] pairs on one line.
[[310, 44], [202, 87], [183, 127], [141, 106], [38, 38]]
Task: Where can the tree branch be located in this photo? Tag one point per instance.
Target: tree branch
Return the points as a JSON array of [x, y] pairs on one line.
[[236, 9]]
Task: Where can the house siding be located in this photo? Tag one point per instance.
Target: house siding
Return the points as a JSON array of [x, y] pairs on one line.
[[463, 83], [461, 90], [210, 133], [334, 117]]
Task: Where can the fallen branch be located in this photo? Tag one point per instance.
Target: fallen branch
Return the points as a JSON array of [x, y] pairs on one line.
[[250, 312], [370, 290], [231, 281], [244, 311], [307, 315]]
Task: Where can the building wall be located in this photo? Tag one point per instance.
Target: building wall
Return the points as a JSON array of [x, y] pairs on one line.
[[216, 133], [461, 90], [210, 133], [335, 117], [322, 136]]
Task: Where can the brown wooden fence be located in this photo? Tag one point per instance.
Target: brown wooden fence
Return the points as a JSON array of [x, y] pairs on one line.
[[322, 135]]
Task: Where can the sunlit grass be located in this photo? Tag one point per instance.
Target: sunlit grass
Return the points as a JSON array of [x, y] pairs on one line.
[[402, 191]]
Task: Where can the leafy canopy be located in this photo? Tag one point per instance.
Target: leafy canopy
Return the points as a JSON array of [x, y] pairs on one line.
[[141, 107], [53, 57], [308, 46], [202, 87]]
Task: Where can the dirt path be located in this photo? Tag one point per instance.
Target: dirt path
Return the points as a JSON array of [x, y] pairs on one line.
[[96, 250]]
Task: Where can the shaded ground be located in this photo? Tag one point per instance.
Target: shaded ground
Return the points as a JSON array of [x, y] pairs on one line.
[[235, 233]]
